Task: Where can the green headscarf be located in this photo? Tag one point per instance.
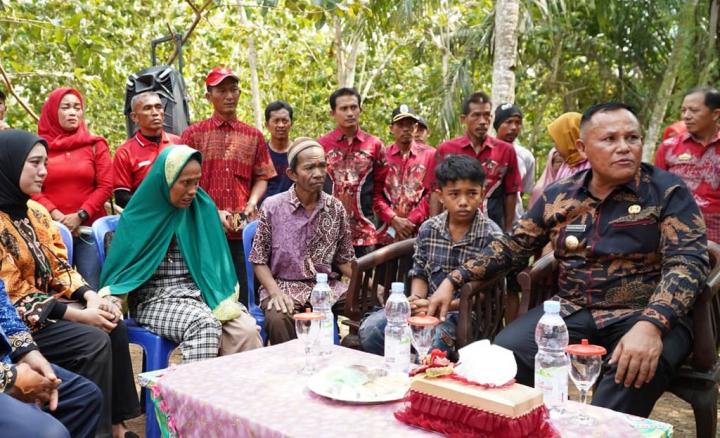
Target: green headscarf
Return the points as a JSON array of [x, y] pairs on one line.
[[147, 226]]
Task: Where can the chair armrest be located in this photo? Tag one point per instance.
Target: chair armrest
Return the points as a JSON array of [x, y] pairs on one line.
[[468, 294], [705, 333]]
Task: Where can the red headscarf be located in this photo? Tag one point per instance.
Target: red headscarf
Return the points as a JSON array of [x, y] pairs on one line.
[[49, 126]]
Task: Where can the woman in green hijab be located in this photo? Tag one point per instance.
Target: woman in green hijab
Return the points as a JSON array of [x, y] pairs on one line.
[[170, 256]]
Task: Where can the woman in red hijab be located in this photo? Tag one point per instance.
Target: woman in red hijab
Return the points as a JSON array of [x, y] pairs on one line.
[[79, 177]]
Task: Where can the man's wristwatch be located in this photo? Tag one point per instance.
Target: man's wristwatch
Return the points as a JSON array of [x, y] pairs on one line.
[[83, 215]]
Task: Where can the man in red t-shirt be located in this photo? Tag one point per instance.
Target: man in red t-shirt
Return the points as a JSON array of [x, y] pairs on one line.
[[134, 158], [695, 155], [404, 205], [356, 167], [497, 157], [236, 163]]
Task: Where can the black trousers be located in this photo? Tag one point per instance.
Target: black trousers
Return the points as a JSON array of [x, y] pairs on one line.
[[519, 337], [102, 358], [77, 412], [238, 256]]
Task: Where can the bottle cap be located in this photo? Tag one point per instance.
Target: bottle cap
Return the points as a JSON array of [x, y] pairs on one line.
[[321, 277], [584, 348], [551, 306], [397, 287]]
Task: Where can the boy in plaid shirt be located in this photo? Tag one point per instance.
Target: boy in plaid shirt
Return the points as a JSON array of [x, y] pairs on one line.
[[444, 242]]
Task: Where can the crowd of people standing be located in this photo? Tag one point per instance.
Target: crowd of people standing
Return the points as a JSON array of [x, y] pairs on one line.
[[634, 232]]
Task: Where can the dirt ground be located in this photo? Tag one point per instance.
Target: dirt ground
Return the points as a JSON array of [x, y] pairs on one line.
[[669, 408]]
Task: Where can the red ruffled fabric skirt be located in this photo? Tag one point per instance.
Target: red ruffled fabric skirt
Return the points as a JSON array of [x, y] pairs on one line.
[[457, 421]]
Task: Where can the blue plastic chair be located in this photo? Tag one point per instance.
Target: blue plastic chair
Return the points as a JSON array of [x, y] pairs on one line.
[[255, 311], [100, 228], [156, 349], [67, 240]]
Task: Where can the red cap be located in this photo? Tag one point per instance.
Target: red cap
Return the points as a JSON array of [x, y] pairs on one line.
[[217, 75]]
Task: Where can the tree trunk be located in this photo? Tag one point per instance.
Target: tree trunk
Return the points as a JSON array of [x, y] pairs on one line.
[[507, 16], [686, 23], [711, 52], [254, 83]]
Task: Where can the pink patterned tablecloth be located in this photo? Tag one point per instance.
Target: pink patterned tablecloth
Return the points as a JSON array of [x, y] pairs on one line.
[[260, 394]]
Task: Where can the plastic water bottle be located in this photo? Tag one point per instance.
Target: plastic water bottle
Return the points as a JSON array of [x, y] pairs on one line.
[[397, 330], [320, 298], [551, 362]]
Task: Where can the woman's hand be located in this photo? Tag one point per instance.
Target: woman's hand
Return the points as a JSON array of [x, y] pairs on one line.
[[72, 221], [57, 215], [99, 318]]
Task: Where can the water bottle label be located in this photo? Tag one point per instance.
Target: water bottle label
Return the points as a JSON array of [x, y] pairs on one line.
[[553, 382]]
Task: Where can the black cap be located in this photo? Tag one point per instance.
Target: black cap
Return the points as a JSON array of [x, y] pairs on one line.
[[403, 112], [421, 121], [504, 112]]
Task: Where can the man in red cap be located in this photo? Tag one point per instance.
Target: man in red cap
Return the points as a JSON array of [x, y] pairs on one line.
[[236, 164]]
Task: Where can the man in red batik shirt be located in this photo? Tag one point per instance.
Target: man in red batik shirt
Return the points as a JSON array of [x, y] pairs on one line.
[[695, 155], [497, 157], [236, 164], [404, 203], [356, 167]]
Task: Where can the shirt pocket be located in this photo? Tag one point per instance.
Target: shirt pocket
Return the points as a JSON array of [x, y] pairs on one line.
[[636, 236]]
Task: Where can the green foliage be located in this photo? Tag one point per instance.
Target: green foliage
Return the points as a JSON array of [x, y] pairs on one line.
[[425, 53]]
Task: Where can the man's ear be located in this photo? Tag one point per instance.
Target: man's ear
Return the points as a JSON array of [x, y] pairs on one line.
[[580, 145], [207, 95], [291, 174], [716, 115], [133, 117]]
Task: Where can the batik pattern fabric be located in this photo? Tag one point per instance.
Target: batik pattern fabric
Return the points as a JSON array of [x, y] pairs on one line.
[[436, 254], [296, 245], [699, 166], [640, 252], [234, 157], [357, 172], [15, 340], [407, 186], [34, 267]]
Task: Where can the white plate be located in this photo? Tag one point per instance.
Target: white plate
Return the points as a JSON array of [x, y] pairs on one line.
[[359, 384]]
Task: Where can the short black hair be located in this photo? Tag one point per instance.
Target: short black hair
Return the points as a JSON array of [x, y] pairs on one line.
[[2, 96], [477, 97], [604, 108], [345, 91], [277, 106], [459, 167], [712, 96]]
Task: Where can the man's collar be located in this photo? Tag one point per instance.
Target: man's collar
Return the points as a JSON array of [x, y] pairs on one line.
[[715, 139], [295, 201], [143, 141], [395, 149], [488, 142], [359, 134], [219, 121], [582, 181]]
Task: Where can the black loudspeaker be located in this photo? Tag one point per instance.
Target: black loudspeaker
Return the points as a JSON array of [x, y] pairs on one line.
[[169, 84]]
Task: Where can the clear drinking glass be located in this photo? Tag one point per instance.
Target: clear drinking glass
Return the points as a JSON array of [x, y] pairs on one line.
[[585, 366], [422, 329], [307, 328]]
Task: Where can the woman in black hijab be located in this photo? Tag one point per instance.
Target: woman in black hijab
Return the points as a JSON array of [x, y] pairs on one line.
[[35, 271]]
